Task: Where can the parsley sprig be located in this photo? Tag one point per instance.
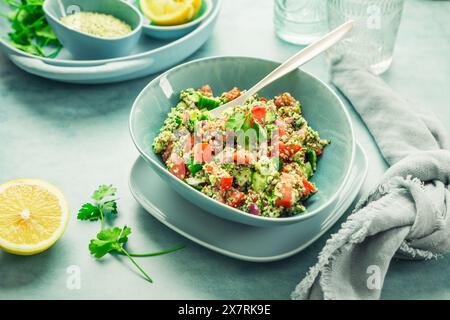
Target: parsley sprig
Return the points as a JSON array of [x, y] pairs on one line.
[[31, 32], [111, 240]]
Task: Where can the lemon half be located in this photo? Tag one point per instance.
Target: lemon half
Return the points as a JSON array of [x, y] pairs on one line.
[[170, 12], [33, 216]]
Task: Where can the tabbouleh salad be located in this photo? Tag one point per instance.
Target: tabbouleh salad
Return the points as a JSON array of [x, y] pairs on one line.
[[271, 184]]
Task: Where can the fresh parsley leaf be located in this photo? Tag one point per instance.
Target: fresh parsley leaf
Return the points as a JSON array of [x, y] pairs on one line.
[[109, 207], [109, 240], [31, 32], [104, 191], [235, 122], [103, 206], [89, 212]]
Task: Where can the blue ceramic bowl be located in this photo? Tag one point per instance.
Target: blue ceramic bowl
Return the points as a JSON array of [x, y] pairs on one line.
[[175, 32], [88, 47], [322, 108]]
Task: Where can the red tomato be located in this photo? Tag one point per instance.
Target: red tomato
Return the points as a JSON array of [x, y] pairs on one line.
[[189, 144], [233, 94], [243, 157], [284, 100], [319, 152], [282, 132], [287, 151], [263, 99], [287, 199], [235, 198], [177, 166], [259, 113], [202, 153], [226, 183], [210, 169], [309, 188]]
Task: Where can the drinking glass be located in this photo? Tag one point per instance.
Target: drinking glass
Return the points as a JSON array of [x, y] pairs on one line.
[[300, 21], [373, 37]]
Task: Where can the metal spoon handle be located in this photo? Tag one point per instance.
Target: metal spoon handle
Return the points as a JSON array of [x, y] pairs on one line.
[[292, 63]]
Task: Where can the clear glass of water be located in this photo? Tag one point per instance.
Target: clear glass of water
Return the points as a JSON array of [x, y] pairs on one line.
[[372, 40], [300, 21]]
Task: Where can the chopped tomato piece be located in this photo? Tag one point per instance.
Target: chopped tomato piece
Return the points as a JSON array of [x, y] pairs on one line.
[[287, 197], [235, 198], [233, 94], [206, 90], [259, 113], [226, 183], [287, 151], [190, 140], [263, 99], [309, 187], [210, 168], [284, 100], [177, 167], [202, 153], [282, 132], [319, 152], [243, 157]]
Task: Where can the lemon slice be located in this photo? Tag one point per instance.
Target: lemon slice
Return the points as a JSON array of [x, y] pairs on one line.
[[170, 12], [33, 216]]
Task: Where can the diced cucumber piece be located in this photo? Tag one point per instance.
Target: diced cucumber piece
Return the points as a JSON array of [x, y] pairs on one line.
[[243, 175], [207, 103], [192, 166], [270, 116], [308, 169], [259, 183]]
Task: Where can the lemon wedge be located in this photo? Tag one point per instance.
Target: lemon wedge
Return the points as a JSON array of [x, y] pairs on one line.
[[170, 12], [33, 216]]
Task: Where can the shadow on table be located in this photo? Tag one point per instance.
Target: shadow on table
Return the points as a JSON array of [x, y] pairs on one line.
[[17, 271], [64, 101]]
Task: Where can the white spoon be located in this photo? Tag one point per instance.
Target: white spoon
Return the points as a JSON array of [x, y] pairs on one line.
[[291, 64]]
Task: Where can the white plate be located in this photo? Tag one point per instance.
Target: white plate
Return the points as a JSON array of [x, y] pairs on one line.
[[234, 239], [150, 56]]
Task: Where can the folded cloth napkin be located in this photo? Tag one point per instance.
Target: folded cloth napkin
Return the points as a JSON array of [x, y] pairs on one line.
[[407, 216]]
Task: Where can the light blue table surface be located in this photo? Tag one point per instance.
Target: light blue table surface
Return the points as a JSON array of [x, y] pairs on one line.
[[77, 137]]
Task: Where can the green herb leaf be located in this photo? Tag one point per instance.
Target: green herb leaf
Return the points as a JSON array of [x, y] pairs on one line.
[[31, 32], [192, 166], [278, 162], [89, 212], [109, 240], [312, 158], [104, 191], [109, 207], [235, 122]]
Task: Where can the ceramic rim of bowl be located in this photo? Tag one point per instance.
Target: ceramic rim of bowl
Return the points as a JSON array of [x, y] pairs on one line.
[[281, 220], [133, 32]]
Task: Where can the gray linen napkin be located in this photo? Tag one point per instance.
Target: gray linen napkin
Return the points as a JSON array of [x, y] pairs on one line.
[[407, 216]]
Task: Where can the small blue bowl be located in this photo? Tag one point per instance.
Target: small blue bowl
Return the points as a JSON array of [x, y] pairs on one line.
[[321, 107], [88, 47], [175, 32]]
